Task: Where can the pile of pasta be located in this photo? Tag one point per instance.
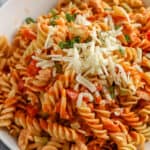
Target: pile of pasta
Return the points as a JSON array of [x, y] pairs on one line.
[[78, 78]]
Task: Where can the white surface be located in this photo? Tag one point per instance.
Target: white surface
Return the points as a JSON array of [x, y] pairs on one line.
[[12, 15]]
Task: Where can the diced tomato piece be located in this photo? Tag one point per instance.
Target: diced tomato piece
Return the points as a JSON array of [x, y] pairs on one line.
[[110, 126], [133, 134], [21, 85], [10, 101], [28, 34], [43, 124], [99, 87], [93, 18], [86, 99], [32, 69], [57, 107], [148, 35], [118, 18], [98, 99], [73, 95], [32, 110]]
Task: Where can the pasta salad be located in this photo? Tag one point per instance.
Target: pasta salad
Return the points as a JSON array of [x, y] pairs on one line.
[[78, 77]]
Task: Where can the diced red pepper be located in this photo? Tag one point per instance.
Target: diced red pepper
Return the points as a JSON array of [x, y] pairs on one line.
[[32, 69], [73, 95], [28, 34], [148, 35], [32, 110]]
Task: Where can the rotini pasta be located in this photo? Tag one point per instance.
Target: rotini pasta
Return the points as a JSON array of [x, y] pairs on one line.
[[78, 77]]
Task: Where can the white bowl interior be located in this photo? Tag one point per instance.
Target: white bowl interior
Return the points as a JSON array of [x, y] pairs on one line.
[[13, 13]]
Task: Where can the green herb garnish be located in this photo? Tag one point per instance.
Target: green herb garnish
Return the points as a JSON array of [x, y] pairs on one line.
[[52, 22], [58, 67], [29, 20], [117, 27], [107, 9], [112, 91], [127, 38], [62, 45], [53, 12], [122, 51], [76, 39], [69, 43], [70, 17]]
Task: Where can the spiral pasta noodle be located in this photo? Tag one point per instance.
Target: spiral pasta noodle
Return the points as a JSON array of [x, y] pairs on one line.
[[92, 122], [39, 42], [60, 132], [53, 145], [77, 78]]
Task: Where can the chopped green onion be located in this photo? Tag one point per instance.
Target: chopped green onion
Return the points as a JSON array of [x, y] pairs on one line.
[[53, 12], [62, 45], [112, 91], [29, 20], [122, 51], [52, 22], [127, 37], [70, 17], [56, 17], [117, 27], [109, 9], [58, 67], [69, 43], [77, 39]]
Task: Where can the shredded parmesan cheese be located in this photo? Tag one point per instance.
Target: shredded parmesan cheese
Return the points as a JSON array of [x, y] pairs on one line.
[[49, 41], [81, 96], [83, 81], [42, 63], [80, 19], [95, 57]]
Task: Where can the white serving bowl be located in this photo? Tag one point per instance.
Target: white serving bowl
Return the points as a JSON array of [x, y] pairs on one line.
[[12, 15]]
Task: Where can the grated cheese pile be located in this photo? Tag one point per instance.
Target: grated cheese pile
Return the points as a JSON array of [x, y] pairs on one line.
[[94, 58]]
